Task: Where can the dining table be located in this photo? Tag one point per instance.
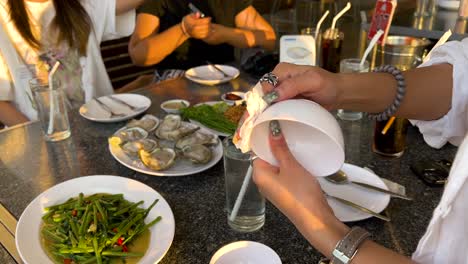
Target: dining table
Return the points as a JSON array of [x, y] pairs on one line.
[[29, 165]]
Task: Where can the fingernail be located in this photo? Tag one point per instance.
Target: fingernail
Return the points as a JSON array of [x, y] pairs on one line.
[[271, 97], [275, 128]]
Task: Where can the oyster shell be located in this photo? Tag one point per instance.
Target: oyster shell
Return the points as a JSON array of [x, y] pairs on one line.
[[197, 154], [147, 122], [172, 128], [126, 135], [132, 147], [158, 159], [197, 138]]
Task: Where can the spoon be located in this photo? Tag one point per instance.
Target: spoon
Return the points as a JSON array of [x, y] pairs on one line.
[[340, 177]]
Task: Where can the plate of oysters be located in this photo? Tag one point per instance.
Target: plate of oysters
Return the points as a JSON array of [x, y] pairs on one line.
[[167, 147]]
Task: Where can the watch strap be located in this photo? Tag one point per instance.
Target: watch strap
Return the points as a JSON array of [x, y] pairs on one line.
[[347, 248]]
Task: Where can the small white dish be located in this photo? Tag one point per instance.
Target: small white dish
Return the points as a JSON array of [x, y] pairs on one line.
[[174, 106], [449, 4], [245, 252], [94, 112], [207, 75], [225, 98], [369, 199], [312, 133], [28, 241]]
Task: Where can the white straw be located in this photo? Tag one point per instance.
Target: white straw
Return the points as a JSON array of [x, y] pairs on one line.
[[345, 9], [441, 41], [50, 129], [241, 194], [319, 24], [371, 45]]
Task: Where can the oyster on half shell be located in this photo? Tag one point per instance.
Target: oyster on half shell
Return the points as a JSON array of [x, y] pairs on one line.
[[126, 135], [132, 147], [158, 159], [197, 138], [147, 122], [172, 128], [198, 154]]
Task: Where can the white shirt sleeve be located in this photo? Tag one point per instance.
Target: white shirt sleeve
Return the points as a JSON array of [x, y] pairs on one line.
[[106, 24], [453, 126], [6, 91]]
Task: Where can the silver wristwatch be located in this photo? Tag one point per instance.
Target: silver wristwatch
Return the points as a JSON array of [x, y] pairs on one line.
[[347, 248]]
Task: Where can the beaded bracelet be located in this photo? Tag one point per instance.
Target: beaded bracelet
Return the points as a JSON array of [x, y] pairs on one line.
[[401, 90]]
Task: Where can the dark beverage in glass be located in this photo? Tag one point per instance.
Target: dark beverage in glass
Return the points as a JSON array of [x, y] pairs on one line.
[[393, 143], [332, 42]]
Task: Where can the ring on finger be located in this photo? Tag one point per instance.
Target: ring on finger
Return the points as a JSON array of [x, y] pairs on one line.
[[270, 78]]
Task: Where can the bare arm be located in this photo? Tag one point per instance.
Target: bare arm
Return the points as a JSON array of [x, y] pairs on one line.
[[9, 115], [251, 31], [148, 46], [428, 94], [123, 6]]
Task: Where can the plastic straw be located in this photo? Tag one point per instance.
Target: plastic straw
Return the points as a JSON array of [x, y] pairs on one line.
[[345, 9], [241, 194], [319, 24], [388, 125], [441, 41], [371, 45], [50, 129]]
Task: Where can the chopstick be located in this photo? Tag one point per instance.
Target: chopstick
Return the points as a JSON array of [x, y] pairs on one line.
[[7, 219], [8, 242], [219, 69]]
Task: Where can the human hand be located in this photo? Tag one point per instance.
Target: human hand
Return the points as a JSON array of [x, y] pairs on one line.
[[299, 81], [296, 193], [217, 34], [196, 26]]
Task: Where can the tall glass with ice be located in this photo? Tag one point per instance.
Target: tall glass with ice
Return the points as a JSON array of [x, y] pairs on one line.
[[251, 214]]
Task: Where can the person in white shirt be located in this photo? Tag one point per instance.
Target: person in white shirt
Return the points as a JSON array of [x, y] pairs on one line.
[[437, 101], [34, 34]]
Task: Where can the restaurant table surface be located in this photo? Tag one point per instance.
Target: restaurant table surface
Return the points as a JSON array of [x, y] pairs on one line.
[[29, 165]]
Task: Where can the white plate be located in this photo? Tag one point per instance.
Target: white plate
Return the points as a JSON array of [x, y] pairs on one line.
[[247, 252], [449, 4], [182, 167], [92, 110], [207, 75], [28, 228], [219, 134], [372, 200]]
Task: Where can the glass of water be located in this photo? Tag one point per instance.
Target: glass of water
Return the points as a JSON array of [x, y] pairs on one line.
[[251, 214], [352, 65], [51, 109]]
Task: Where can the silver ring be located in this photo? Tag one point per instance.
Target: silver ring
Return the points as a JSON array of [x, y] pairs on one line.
[[270, 78], [254, 157]]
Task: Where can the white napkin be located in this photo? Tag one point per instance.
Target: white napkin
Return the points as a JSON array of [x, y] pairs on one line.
[[392, 186], [255, 106], [116, 107], [93, 109]]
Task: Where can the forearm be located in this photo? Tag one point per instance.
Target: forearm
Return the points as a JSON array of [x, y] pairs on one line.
[[428, 92], [247, 38], [9, 115], [123, 6], [155, 48]]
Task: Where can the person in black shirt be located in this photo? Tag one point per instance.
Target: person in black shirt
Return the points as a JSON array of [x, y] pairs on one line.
[[169, 35]]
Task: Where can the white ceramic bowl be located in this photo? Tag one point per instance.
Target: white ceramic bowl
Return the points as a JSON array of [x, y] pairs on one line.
[[312, 133], [233, 102], [164, 106], [245, 252]]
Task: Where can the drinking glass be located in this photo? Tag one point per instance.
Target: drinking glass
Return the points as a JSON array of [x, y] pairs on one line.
[[352, 65], [332, 43], [313, 31], [393, 143], [425, 8], [251, 214], [51, 109]]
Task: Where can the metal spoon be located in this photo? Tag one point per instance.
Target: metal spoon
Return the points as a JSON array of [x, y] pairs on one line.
[[340, 177]]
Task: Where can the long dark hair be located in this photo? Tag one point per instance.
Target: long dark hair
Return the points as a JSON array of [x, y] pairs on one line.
[[71, 20]]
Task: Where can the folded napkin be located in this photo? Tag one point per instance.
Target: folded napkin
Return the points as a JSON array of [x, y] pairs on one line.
[[116, 107], [392, 186], [94, 110]]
